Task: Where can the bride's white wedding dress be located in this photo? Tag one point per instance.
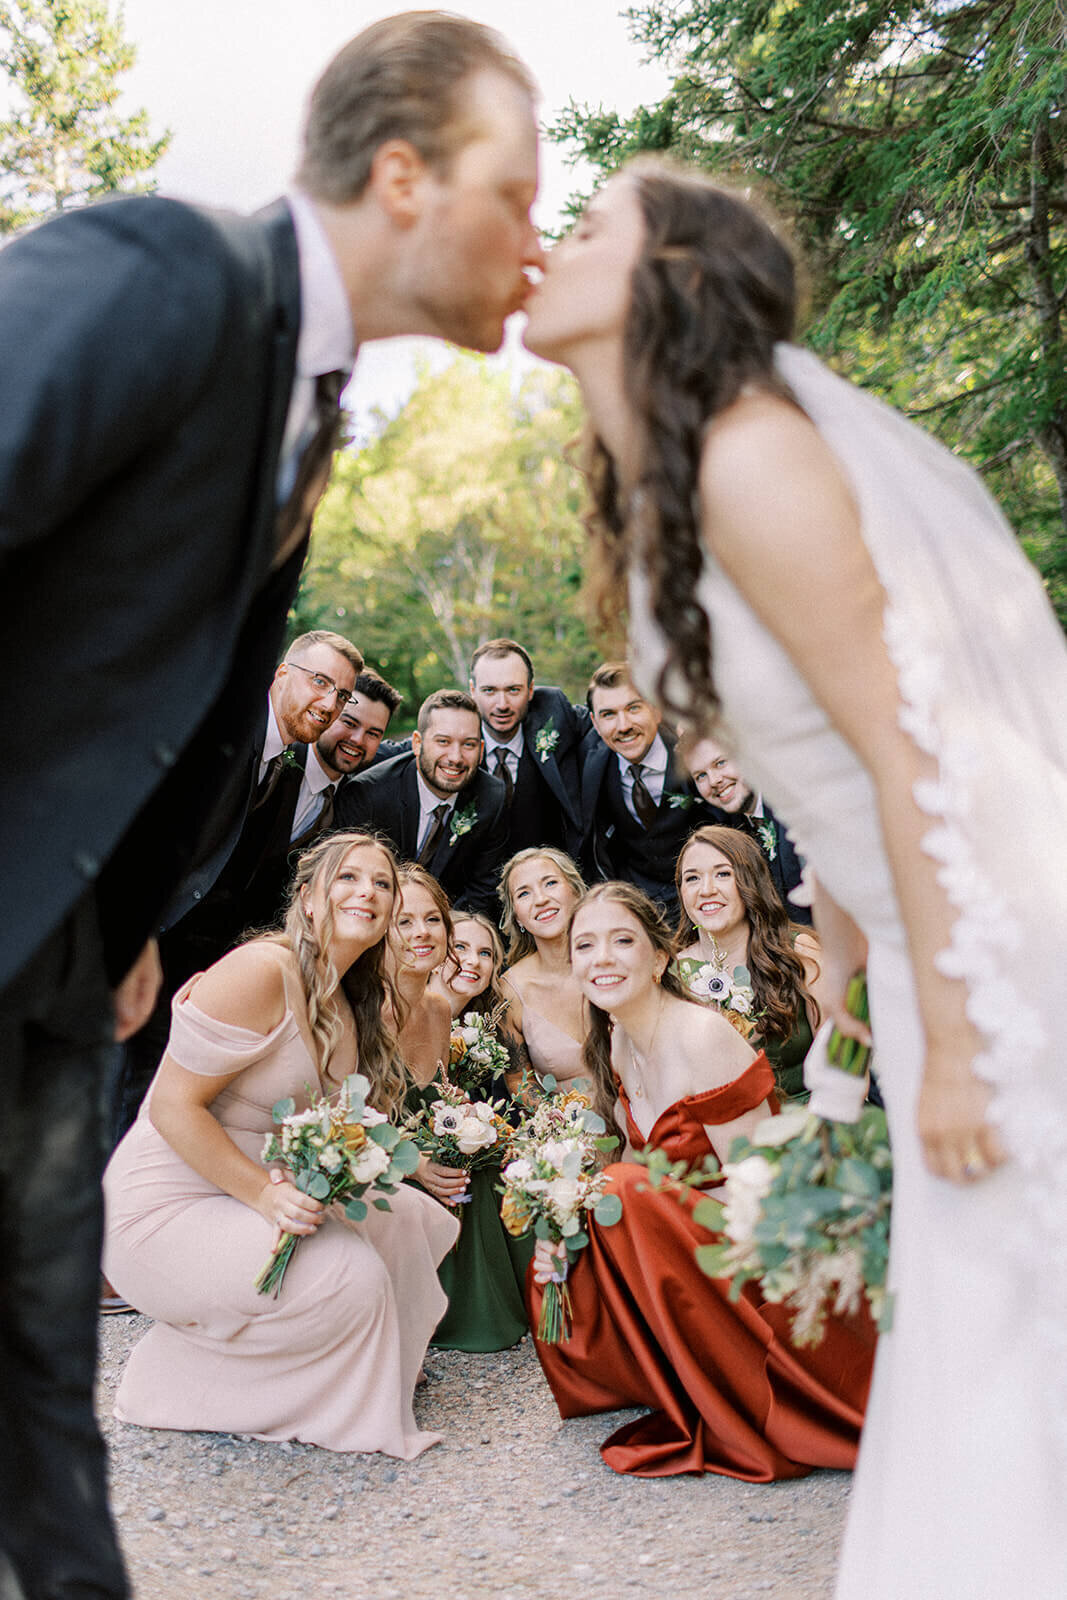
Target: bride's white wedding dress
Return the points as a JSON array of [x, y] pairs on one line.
[[962, 1476]]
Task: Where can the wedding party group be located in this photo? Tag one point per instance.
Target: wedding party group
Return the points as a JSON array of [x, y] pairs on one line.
[[323, 1047]]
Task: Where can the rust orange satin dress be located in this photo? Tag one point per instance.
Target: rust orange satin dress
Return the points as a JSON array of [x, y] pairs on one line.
[[728, 1392]]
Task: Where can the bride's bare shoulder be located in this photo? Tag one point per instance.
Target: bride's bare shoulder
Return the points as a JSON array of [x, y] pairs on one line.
[[765, 467]]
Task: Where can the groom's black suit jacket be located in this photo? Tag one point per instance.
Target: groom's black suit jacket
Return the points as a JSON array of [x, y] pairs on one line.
[[146, 361], [385, 800]]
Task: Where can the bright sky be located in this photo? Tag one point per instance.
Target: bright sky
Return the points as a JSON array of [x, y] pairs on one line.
[[230, 78]]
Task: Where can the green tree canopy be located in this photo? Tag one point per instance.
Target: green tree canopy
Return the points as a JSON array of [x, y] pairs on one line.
[[460, 521], [917, 148], [65, 142]]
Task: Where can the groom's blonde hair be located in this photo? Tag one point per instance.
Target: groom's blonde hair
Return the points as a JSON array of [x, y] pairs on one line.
[[401, 78]]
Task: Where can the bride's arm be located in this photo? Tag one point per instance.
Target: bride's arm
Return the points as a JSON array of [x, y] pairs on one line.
[[790, 540], [831, 959], [245, 990]]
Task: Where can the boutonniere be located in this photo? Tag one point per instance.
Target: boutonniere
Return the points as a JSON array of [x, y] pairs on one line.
[[680, 802], [463, 822], [546, 739], [768, 838], [289, 757]]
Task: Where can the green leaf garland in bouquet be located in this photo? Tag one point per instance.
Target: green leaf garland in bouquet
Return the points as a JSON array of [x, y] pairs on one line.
[[475, 1054], [552, 1183], [805, 1211], [336, 1150]]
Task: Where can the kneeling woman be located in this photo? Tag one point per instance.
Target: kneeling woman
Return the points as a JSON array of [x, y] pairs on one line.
[[483, 1276], [192, 1213], [728, 1391]]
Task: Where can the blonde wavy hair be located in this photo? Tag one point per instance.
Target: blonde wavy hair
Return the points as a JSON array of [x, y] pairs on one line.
[[521, 943], [366, 985]]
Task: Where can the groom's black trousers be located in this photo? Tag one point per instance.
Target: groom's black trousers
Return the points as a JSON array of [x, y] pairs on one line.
[[57, 1070]]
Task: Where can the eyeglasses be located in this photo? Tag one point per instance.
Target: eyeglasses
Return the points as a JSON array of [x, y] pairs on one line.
[[321, 683]]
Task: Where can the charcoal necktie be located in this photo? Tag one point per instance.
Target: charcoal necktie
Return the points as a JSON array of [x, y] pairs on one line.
[[644, 805], [503, 772], [313, 468], [433, 838]]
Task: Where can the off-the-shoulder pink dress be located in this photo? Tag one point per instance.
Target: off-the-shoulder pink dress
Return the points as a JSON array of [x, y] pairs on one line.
[[334, 1359]]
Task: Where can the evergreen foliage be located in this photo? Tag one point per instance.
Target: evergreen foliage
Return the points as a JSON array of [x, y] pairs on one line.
[[65, 142], [916, 148]]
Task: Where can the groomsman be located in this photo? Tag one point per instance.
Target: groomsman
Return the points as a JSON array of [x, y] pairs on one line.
[[436, 805], [217, 902], [168, 399], [639, 805], [356, 736], [532, 735], [721, 785]]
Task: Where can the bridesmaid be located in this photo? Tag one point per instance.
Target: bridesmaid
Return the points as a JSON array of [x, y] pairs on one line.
[[547, 1016], [470, 979], [728, 899], [192, 1213], [483, 1276], [728, 1392]]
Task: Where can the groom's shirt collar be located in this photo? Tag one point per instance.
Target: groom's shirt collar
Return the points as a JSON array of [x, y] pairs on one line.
[[326, 341]]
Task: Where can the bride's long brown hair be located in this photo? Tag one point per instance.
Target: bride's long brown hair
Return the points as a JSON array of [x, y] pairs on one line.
[[712, 293]]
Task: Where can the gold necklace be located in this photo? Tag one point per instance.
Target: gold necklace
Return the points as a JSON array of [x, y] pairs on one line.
[[639, 1088]]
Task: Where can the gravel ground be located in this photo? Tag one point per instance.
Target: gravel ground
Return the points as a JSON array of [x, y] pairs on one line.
[[513, 1505]]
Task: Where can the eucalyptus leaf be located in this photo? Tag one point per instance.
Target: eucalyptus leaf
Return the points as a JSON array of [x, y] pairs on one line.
[[319, 1186], [405, 1157], [384, 1134], [381, 1205], [283, 1108], [709, 1214], [608, 1210], [355, 1210]]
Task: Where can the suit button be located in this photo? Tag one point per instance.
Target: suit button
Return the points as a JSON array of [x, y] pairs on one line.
[[197, 895], [87, 865], [165, 754]]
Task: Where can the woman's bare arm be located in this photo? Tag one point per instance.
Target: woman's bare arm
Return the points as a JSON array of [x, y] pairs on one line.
[[245, 990], [791, 542]]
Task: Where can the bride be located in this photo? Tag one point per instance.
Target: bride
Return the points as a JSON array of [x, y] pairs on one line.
[[837, 597]]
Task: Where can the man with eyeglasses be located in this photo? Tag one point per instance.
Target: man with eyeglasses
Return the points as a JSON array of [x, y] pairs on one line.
[[242, 885]]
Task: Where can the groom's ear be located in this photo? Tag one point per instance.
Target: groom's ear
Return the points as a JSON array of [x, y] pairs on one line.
[[397, 177]]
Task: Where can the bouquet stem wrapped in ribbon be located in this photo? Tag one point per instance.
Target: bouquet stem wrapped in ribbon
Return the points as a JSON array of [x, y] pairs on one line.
[[552, 1184], [335, 1151]]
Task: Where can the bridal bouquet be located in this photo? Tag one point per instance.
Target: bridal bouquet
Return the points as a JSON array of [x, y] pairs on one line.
[[456, 1131], [475, 1054], [731, 992], [552, 1183], [805, 1210], [335, 1150]]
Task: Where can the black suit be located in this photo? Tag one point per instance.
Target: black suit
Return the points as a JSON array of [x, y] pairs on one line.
[[786, 867], [546, 806], [385, 800], [615, 844], [146, 362]]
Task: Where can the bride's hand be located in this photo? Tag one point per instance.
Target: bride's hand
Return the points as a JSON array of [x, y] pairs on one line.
[[957, 1141], [287, 1208], [549, 1261]]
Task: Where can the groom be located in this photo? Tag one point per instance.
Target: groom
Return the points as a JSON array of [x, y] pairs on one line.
[[168, 388]]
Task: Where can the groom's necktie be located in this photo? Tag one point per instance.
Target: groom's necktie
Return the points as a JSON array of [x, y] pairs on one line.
[[433, 838], [313, 467], [646, 808]]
